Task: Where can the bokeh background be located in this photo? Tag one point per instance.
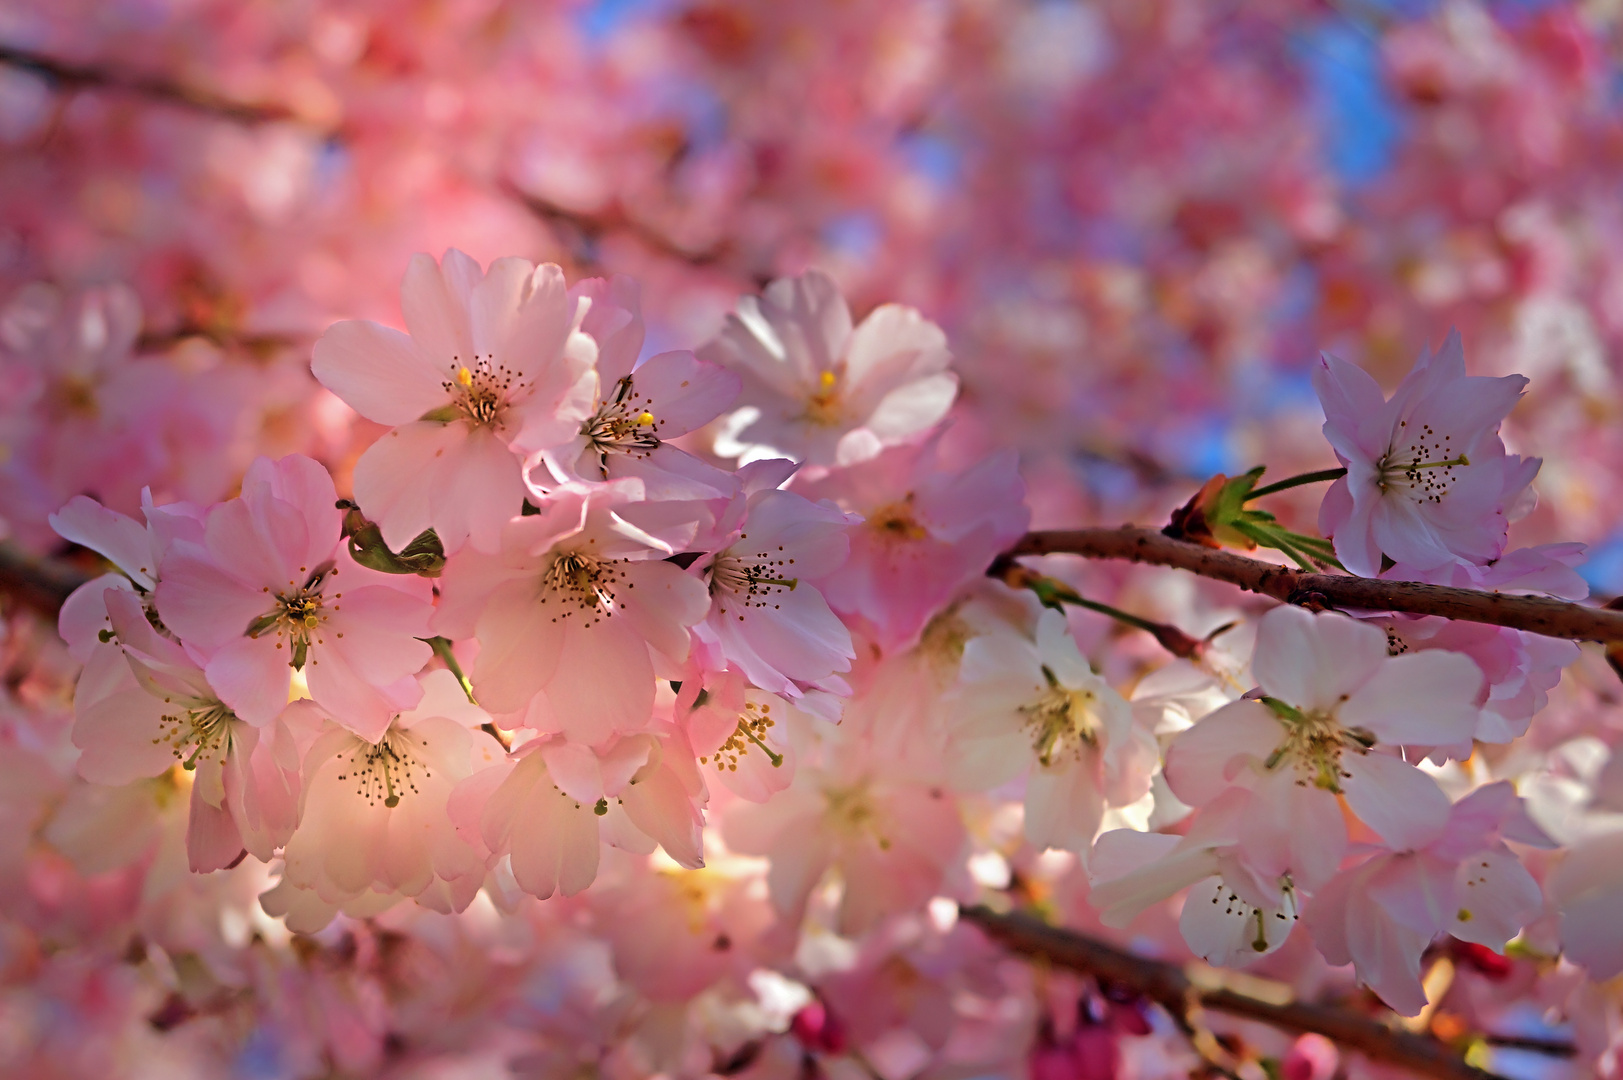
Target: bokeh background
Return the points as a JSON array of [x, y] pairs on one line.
[[1137, 220]]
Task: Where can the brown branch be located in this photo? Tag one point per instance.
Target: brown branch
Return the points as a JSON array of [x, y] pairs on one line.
[[85, 76], [1535, 614], [42, 584], [255, 344], [1168, 986]]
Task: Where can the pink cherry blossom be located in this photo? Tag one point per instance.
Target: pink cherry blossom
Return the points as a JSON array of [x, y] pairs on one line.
[[575, 615], [373, 814], [637, 409], [1428, 480], [766, 617], [1333, 708], [1381, 915], [1038, 708], [136, 550], [738, 733], [927, 531], [493, 368], [1234, 913], [892, 841], [271, 588], [246, 777], [549, 806], [823, 392]]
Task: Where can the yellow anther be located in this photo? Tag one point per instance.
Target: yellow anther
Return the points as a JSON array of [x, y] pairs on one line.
[[645, 418], [826, 380], [464, 376]]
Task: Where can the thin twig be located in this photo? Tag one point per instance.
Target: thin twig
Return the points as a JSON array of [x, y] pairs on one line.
[[1168, 985], [1535, 614], [80, 76], [1054, 592]]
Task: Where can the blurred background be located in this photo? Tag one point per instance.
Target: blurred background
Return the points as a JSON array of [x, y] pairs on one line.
[[1138, 220]]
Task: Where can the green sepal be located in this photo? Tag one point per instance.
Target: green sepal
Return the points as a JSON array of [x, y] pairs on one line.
[[425, 555]]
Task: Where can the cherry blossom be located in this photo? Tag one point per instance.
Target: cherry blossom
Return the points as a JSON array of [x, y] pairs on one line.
[[271, 590], [574, 616], [493, 367], [1038, 707], [638, 408], [822, 391], [893, 840], [246, 777], [550, 806], [1332, 706], [373, 813], [1238, 909], [926, 531], [766, 616], [1428, 478], [1106, 240], [738, 733], [136, 550], [1381, 915]]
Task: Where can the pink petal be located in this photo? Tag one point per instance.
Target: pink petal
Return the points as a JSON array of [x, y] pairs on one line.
[[212, 839], [1204, 760], [252, 677], [1425, 698], [1311, 661], [395, 478], [434, 300], [122, 540], [378, 372], [479, 488], [683, 392], [1403, 805]]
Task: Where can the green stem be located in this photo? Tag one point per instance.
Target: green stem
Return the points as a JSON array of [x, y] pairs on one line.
[[1048, 588], [442, 649], [1115, 613], [1297, 481]]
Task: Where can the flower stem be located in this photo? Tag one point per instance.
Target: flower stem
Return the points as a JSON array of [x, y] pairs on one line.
[[442, 649], [1297, 481], [1054, 593]]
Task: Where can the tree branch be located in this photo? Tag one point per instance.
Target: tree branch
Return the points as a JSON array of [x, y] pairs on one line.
[[1535, 614], [583, 235], [79, 76], [1168, 986], [42, 584]]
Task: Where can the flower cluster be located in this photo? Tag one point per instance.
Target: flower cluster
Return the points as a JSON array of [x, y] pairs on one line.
[[553, 633], [395, 627]]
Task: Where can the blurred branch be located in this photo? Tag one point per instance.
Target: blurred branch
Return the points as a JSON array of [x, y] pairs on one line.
[[85, 76], [1549, 1047], [583, 233], [1171, 988], [42, 584], [255, 344], [1535, 614]]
